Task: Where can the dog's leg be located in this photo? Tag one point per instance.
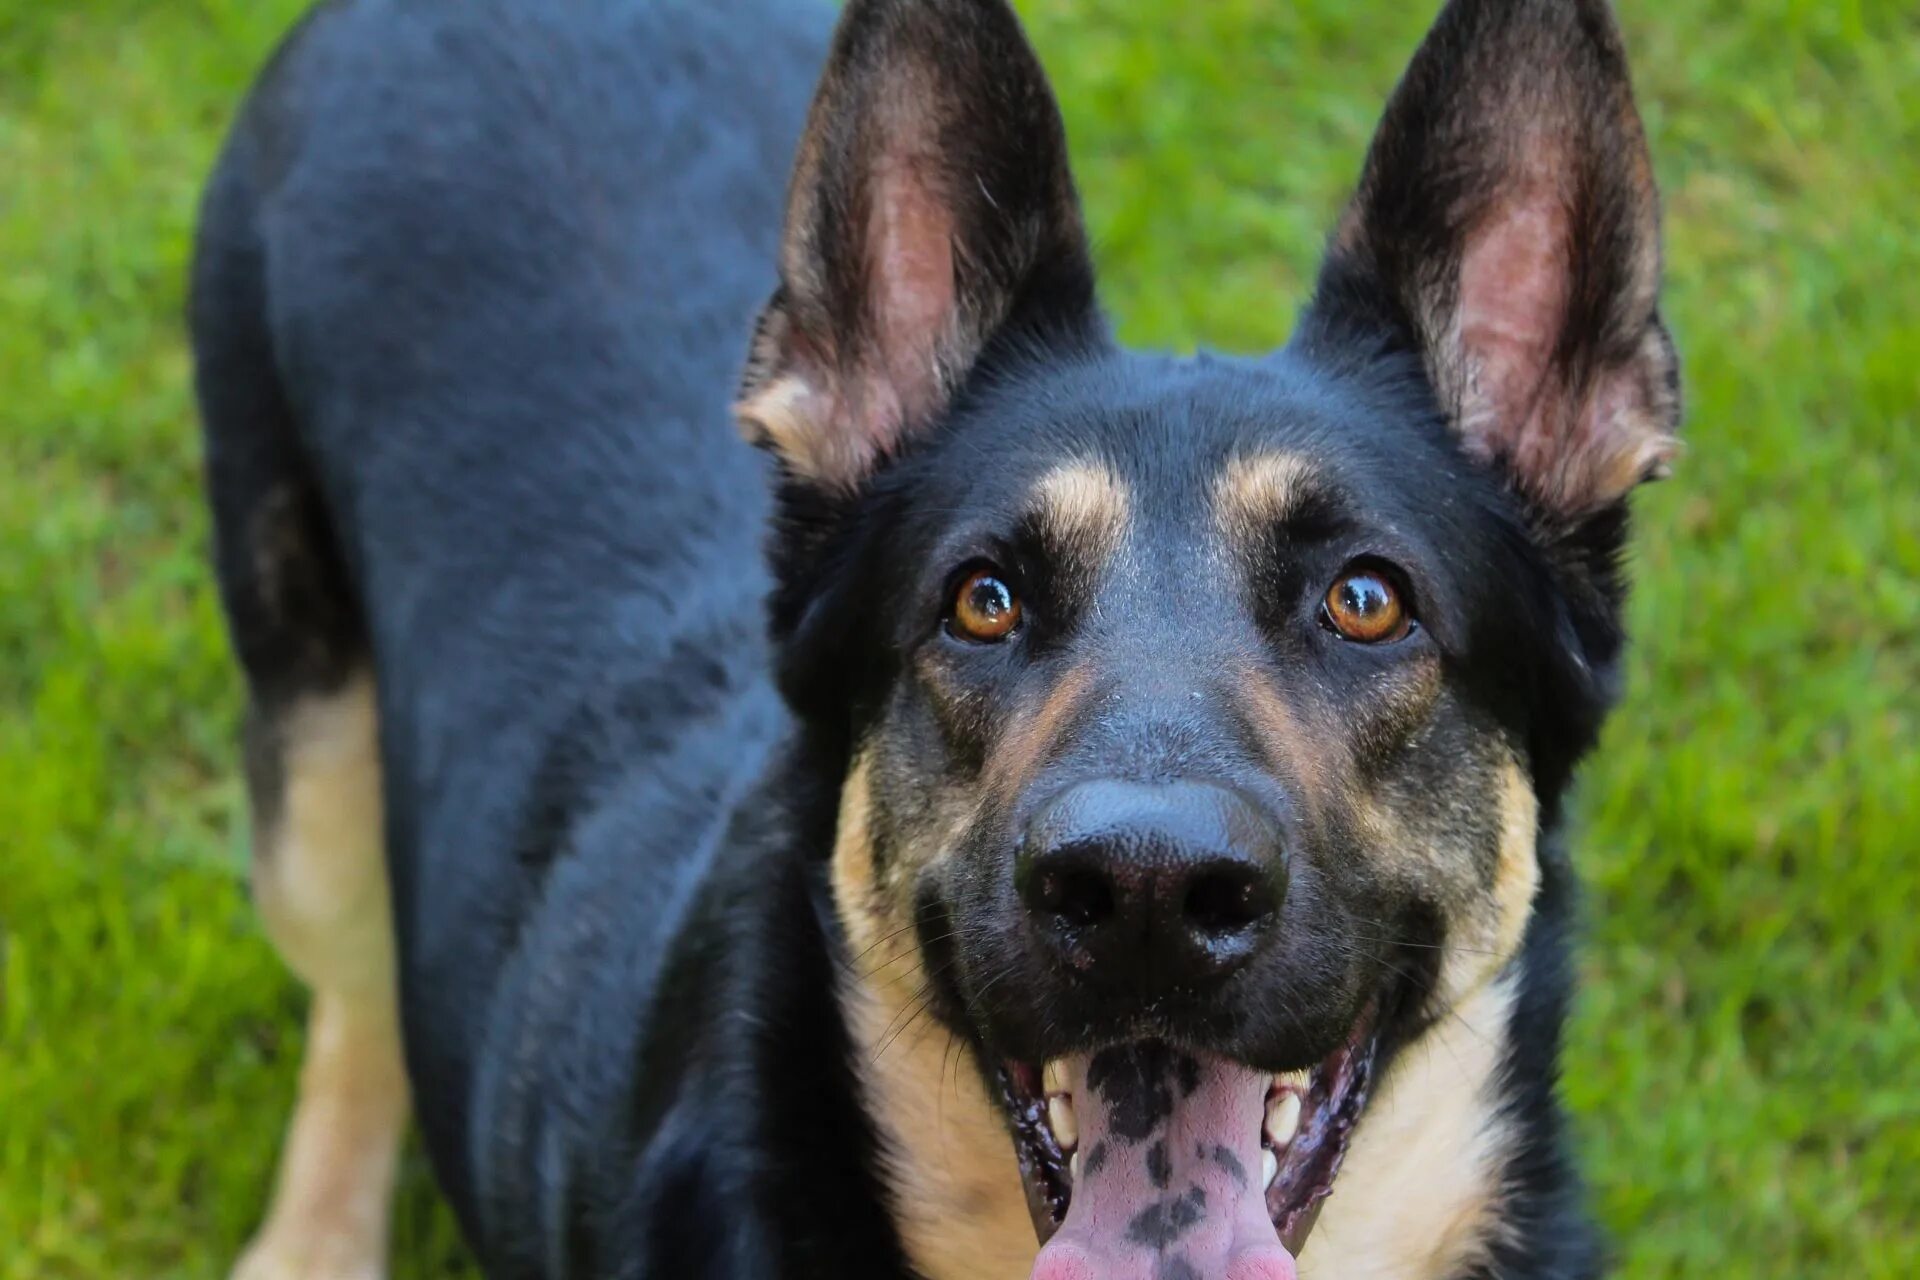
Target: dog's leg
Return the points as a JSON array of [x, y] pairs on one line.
[[312, 754], [320, 881]]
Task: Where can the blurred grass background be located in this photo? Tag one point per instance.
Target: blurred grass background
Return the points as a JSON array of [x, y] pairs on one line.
[[1744, 1060]]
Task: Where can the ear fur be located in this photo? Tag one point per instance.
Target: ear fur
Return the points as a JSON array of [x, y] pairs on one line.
[[1507, 224], [931, 207]]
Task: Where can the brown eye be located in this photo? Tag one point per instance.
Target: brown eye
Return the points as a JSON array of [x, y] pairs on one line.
[[985, 610], [1363, 606]]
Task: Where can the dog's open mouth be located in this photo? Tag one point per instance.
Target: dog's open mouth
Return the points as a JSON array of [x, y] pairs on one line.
[[1144, 1160]]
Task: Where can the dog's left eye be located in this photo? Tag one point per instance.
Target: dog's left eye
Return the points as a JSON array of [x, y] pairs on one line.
[[985, 610], [1364, 606]]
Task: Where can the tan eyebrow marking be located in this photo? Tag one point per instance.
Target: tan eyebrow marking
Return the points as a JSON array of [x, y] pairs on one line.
[[1083, 509], [1253, 492]]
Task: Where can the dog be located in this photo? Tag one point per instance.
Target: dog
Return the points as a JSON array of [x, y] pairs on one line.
[[1049, 810]]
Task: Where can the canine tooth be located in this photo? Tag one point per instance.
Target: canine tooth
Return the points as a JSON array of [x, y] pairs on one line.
[[1066, 1131], [1269, 1167], [1073, 1167], [1054, 1078], [1283, 1118]]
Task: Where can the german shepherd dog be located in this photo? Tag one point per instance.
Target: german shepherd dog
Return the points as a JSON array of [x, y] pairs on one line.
[[1111, 833]]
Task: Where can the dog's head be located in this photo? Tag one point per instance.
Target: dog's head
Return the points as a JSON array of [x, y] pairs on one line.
[[1199, 713]]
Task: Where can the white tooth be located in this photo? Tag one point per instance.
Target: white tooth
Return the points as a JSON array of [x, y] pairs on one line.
[[1054, 1078], [1073, 1167], [1060, 1118], [1269, 1167], [1294, 1080], [1283, 1119]]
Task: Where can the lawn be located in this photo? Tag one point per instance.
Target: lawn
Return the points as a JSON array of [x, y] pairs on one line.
[[1744, 1059]]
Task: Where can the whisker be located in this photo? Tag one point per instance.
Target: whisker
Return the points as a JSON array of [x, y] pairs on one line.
[[851, 961], [912, 1008]]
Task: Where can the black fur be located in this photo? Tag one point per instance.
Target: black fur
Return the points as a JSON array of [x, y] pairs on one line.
[[471, 292], [1550, 1235], [470, 289]]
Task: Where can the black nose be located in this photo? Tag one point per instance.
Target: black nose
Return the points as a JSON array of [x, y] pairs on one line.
[[1147, 887]]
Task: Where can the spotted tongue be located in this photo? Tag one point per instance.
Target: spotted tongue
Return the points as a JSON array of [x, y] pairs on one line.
[[1170, 1184]]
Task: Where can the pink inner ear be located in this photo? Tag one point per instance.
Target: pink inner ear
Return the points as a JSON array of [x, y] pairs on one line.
[[912, 299], [1573, 439], [1514, 281]]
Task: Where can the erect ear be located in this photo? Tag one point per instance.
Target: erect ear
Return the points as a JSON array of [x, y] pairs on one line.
[[931, 207], [1507, 223]]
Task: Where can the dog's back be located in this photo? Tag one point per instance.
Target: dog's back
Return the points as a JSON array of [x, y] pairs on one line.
[[468, 306]]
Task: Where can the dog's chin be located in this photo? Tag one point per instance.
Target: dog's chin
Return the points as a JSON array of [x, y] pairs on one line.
[[1141, 1151]]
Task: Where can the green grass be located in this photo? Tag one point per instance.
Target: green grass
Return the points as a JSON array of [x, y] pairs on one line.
[[1743, 1059]]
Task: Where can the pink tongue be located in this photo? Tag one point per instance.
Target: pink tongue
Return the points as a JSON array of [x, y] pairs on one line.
[[1170, 1184]]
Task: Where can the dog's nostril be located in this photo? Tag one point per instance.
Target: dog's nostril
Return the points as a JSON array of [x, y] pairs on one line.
[[1226, 899], [1077, 895]]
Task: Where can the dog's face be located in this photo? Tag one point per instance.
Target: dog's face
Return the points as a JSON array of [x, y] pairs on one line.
[[1200, 712], [1199, 725]]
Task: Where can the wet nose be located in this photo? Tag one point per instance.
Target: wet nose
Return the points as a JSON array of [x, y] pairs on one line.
[[1149, 887]]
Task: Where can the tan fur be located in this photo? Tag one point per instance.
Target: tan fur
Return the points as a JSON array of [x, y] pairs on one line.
[[1026, 740], [1419, 1196], [950, 1160], [320, 882], [785, 414], [1489, 907], [1255, 492], [1486, 941], [1517, 877], [332, 1195], [1293, 750], [1084, 509]]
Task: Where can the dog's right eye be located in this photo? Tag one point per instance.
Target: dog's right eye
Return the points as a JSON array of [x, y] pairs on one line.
[[1364, 606], [985, 610]]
